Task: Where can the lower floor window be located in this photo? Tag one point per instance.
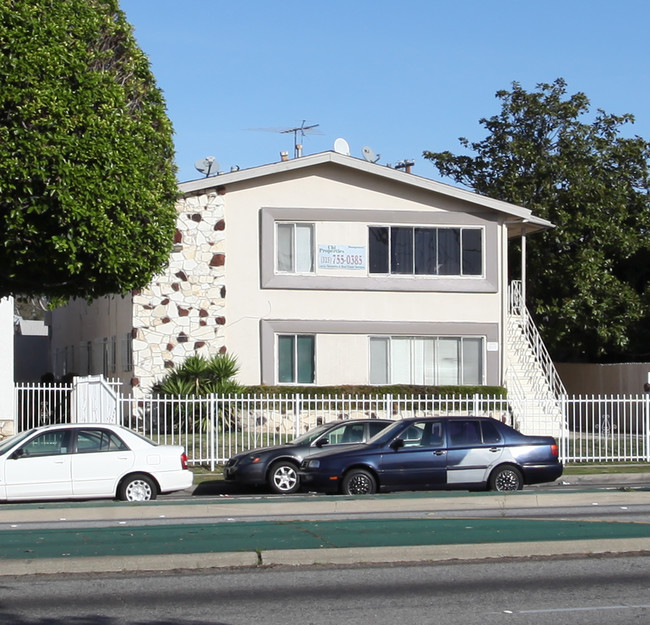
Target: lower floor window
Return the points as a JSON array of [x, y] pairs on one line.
[[426, 360], [296, 358]]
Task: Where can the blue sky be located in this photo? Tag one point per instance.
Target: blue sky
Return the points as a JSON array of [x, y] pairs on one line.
[[400, 77]]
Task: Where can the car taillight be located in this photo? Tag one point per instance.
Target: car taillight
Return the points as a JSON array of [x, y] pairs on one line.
[[554, 451], [183, 461]]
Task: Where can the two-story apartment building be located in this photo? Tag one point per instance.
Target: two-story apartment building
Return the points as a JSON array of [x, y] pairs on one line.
[[325, 269]]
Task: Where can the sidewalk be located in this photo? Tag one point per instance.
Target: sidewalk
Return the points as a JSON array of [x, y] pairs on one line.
[[302, 530]]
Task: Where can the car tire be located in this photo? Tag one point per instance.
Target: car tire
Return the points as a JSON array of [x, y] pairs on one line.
[[283, 477], [137, 487], [359, 482], [506, 478]]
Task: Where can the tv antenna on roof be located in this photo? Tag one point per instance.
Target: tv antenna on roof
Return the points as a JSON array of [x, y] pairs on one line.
[[298, 133], [207, 165]]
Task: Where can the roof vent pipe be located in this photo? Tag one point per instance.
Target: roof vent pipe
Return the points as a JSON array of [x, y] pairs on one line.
[[284, 156]]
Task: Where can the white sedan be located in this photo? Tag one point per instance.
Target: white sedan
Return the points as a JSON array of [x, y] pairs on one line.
[[89, 461]]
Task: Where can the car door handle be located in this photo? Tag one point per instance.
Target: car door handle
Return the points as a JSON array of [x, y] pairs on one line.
[[494, 449], [439, 452]]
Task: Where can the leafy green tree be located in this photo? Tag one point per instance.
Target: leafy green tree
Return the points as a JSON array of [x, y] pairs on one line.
[[587, 279], [201, 376], [87, 175]]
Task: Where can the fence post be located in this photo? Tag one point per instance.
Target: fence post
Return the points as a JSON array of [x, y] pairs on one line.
[[297, 407], [646, 425], [563, 428], [213, 427]]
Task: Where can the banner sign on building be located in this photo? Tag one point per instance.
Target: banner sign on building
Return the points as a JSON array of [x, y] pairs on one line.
[[341, 257]]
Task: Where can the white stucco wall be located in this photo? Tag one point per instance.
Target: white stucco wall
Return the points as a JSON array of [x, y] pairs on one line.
[[247, 303], [6, 365], [78, 323]]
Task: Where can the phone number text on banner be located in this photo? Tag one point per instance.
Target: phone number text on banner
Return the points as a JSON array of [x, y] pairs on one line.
[[341, 257]]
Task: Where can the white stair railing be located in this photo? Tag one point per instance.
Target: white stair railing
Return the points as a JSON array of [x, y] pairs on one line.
[[523, 335]]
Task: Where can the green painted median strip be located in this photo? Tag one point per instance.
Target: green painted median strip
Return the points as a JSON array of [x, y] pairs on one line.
[[273, 535]]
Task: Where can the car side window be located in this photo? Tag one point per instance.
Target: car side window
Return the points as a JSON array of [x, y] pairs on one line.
[[89, 441], [436, 435], [348, 433], [47, 444], [464, 433], [353, 433], [335, 436], [427, 434], [375, 428], [413, 434], [490, 432]]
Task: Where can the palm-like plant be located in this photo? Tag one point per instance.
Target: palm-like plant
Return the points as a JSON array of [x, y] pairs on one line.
[[201, 376]]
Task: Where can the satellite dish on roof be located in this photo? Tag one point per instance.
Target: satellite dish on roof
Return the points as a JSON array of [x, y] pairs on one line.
[[341, 146], [369, 154], [208, 166]]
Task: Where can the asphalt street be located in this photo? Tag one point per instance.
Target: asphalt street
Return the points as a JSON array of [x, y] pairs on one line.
[[212, 531]]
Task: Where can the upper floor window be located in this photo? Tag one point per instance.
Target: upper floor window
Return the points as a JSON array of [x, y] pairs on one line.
[[425, 251], [295, 248]]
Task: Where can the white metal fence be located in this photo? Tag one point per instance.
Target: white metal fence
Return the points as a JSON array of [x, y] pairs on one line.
[[212, 429]]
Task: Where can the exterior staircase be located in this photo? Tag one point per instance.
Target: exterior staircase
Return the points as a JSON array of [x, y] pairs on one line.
[[535, 390]]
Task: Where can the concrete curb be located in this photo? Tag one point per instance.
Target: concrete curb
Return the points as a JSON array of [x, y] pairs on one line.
[[313, 507], [326, 556]]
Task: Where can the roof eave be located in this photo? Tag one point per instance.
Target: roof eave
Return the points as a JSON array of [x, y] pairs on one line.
[[518, 213]]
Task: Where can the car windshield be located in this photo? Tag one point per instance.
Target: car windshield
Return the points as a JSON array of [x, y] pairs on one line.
[[8, 443], [311, 436]]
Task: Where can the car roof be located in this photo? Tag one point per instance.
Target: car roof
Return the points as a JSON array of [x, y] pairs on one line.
[[449, 417], [339, 421], [57, 426]]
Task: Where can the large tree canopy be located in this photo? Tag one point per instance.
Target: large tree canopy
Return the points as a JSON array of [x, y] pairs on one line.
[[587, 278], [87, 175]]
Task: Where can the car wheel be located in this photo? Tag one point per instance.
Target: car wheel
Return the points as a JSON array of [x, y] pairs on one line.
[[506, 478], [137, 487], [359, 482], [283, 478]]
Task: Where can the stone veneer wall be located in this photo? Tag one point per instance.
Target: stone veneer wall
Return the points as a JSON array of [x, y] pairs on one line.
[[182, 312]]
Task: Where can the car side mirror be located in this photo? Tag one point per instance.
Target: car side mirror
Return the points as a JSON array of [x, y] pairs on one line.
[[398, 443], [322, 441]]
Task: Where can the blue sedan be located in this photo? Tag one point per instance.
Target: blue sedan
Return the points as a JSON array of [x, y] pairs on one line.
[[436, 453]]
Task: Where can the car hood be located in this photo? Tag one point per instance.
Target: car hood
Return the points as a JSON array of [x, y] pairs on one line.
[[266, 450]]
